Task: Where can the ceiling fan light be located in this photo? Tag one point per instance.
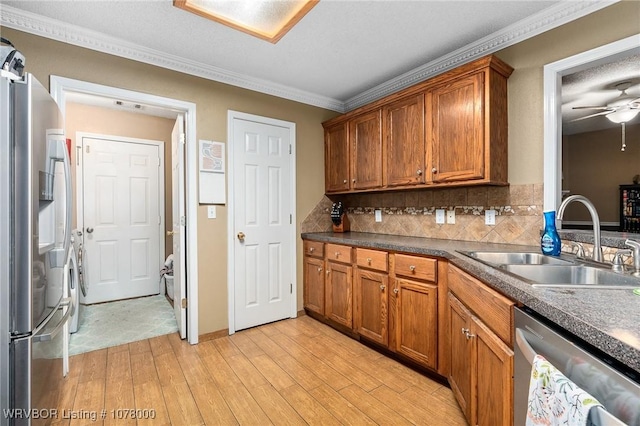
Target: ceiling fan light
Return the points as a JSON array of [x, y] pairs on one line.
[[623, 115]]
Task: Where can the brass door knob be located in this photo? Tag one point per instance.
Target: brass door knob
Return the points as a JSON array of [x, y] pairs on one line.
[[169, 233], [241, 236]]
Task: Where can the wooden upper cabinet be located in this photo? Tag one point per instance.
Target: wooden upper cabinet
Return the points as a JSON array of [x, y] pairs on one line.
[[456, 130], [365, 136], [403, 122], [336, 156]]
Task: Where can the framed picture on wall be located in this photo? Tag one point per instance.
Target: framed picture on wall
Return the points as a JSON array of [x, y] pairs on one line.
[[212, 157]]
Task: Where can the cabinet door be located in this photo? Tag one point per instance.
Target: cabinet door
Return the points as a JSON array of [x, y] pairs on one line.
[[336, 158], [417, 321], [339, 294], [462, 358], [456, 130], [371, 318], [314, 284], [365, 135], [405, 143], [494, 377]]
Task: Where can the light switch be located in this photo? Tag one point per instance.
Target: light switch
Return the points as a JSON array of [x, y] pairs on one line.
[[440, 216], [489, 217], [451, 216], [211, 212], [378, 215]]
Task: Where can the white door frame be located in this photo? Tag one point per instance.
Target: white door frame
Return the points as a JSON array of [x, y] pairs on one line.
[[80, 180], [553, 74], [60, 86], [232, 115]]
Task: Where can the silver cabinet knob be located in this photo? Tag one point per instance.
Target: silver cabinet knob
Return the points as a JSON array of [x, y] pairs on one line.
[[89, 230], [419, 172], [311, 249], [434, 170], [382, 287], [319, 269], [412, 268], [395, 291], [344, 181], [353, 180]]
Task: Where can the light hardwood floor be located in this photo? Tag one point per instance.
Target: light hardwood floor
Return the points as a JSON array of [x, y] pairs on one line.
[[296, 372]]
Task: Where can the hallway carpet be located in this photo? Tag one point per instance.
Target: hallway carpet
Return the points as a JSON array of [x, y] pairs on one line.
[[114, 323]]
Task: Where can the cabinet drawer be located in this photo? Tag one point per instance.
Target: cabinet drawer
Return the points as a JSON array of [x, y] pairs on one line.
[[313, 248], [420, 268], [339, 253], [494, 309], [372, 259]]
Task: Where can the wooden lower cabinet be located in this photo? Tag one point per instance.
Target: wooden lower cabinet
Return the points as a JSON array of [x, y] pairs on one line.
[[370, 307], [313, 270], [481, 368], [339, 293], [416, 321]]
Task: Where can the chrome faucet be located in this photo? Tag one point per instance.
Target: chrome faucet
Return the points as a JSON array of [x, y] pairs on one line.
[[597, 247]]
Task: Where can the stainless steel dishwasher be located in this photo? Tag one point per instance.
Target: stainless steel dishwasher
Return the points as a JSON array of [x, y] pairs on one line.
[[615, 386]]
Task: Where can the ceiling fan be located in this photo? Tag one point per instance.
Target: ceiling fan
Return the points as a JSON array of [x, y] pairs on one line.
[[622, 109]]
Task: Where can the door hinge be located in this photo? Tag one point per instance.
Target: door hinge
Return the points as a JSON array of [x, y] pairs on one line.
[[158, 161], [290, 219], [289, 148], [184, 303], [183, 221], [159, 220], [182, 138], [290, 288], [88, 149]]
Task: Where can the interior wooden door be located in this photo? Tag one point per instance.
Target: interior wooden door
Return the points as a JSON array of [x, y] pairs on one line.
[[365, 136], [456, 130]]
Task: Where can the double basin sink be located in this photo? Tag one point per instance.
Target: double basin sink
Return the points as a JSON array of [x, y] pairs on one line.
[[548, 271]]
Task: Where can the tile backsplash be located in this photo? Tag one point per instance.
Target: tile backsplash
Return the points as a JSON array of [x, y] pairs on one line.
[[412, 213]]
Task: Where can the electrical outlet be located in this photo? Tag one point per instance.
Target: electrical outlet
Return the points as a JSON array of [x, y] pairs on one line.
[[489, 217], [211, 212], [378, 215], [440, 216], [451, 216]]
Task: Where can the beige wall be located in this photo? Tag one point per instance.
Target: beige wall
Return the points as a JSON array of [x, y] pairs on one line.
[[594, 166], [45, 57], [105, 121]]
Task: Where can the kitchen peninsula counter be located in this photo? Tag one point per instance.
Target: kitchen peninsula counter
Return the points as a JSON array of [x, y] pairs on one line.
[[607, 319]]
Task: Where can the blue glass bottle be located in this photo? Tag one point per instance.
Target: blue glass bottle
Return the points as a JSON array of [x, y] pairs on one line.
[[550, 241]]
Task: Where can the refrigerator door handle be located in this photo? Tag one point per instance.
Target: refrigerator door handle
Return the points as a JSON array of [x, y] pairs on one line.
[[66, 302], [68, 196]]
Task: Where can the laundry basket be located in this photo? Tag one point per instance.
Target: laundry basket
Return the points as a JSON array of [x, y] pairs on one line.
[[168, 279]]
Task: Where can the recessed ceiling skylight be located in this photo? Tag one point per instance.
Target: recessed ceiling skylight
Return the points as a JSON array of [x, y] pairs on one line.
[[266, 19]]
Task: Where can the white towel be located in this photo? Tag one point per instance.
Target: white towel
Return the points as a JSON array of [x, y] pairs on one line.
[[554, 399]]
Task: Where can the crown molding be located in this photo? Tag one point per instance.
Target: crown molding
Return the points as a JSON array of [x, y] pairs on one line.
[[545, 20], [524, 29], [28, 22]]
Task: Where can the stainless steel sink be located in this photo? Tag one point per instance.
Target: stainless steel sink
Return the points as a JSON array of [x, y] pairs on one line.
[[540, 270], [572, 276], [515, 258]]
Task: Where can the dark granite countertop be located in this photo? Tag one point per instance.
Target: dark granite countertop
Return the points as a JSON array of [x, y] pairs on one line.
[[607, 319], [607, 238]]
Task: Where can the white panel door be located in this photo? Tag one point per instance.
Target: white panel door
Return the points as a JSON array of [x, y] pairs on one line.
[[177, 191], [121, 219], [263, 249]]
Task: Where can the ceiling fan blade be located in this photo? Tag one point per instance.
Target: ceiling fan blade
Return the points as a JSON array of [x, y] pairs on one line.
[[594, 107], [591, 116]]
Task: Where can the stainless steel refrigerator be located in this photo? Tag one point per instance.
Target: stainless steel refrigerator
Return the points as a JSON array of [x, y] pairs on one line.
[[33, 309]]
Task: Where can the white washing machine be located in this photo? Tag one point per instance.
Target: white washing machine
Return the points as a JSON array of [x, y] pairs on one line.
[[76, 276]]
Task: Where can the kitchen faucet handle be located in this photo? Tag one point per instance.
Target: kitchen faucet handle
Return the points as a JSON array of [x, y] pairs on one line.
[[618, 264], [580, 249], [635, 246]]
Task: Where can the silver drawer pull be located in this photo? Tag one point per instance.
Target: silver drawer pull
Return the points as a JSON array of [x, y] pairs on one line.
[[382, 287], [412, 268], [310, 249], [465, 330], [395, 291], [337, 253], [369, 260], [319, 269], [469, 335]]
